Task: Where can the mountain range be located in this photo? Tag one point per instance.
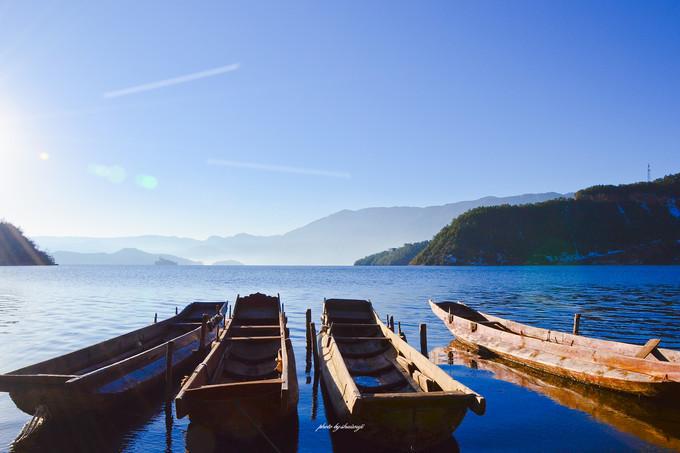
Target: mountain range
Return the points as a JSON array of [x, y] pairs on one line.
[[338, 239], [126, 256]]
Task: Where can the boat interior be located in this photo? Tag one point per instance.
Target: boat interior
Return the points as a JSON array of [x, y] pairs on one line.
[[373, 361], [255, 339]]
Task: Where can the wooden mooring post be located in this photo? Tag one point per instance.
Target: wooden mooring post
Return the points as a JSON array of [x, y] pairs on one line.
[[423, 339], [168, 369], [176, 311], [315, 351], [155, 318], [391, 323], [402, 335], [308, 334], [577, 323]]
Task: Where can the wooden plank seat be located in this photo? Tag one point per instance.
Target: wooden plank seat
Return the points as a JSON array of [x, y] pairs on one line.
[[248, 377], [263, 338], [341, 339]]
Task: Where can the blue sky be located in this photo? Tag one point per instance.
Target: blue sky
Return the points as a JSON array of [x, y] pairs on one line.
[[110, 126]]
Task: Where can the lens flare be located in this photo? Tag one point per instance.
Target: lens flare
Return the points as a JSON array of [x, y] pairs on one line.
[[43, 156], [112, 173], [146, 181]]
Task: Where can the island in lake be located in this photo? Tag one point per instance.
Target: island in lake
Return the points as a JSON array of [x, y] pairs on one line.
[[625, 224], [17, 250]]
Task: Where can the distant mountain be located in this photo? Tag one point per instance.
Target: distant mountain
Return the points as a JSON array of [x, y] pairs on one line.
[[627, 224], [227, 263], [400, 256], [127, 256], [336, 239], [17, 250]]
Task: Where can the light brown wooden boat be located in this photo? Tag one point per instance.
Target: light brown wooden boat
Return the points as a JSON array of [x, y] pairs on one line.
[[641, 417], [121, 369], [247, 383], [375, 380], [643, 370]]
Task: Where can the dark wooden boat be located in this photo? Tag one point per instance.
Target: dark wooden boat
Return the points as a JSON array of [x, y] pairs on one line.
[[116, 370], [247, 383], [374, 379], [643, 370], [641, 417]]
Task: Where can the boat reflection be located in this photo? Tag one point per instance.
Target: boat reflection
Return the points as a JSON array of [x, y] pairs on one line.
[[346, 440], [284, 439], [111, 432], [650, 421]]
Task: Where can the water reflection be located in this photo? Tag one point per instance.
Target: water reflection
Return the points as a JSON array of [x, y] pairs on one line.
[[284, 439], [347, 441], [653, 422], [88, 432]]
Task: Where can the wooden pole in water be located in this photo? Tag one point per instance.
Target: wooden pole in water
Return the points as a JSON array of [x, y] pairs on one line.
[[315, 351], [168, 369], [402, 335], [423, 339], [392, 323], [204, 330], [155, 318], [577, 323], [229, 311], [308, 334], [176, 311]]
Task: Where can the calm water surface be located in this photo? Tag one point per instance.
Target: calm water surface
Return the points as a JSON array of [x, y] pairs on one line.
[[48, 311]]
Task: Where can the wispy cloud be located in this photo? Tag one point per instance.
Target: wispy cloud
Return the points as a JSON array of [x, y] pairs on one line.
[[173, 81], [278, 168]]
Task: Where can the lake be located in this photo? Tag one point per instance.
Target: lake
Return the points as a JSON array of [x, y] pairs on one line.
[[48, 311]]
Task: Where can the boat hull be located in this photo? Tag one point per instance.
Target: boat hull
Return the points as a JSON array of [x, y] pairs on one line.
[[244, 418], [71, 400], [247, 384], [115, 372], [581, 364], [395, 423]]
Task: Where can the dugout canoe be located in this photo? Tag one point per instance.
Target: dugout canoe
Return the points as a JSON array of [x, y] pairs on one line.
[[645, 370], [375, 380], [247, 383], [121, 369]]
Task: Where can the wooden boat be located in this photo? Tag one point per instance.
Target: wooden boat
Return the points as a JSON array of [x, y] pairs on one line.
[[376, 381], [643, 370], [116, 370], [641, 417], [247, 382]]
